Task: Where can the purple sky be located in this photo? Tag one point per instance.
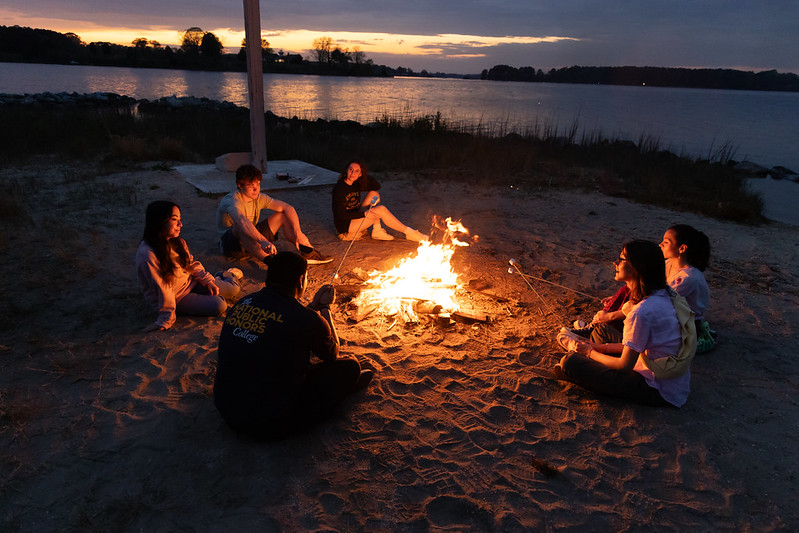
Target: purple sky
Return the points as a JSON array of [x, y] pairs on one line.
[[464, 36]]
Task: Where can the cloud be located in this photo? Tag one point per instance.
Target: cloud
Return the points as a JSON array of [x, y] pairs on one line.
[[721, 33]]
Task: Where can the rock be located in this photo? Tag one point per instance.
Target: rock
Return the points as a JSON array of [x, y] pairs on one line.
[[748, 169], [779, 173], [232, 161]]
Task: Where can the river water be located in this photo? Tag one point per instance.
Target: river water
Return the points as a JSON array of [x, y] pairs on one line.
[[762, 127]]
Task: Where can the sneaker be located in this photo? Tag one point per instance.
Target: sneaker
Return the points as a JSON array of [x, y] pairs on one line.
[[378, 233], [413, 235], [363, 379], [580, 324], [351, 236], [235, 273], [315, 258], [569, 340]]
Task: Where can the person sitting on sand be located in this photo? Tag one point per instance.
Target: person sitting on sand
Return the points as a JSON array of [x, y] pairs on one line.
[[172, 280], [266, 385], [658, 342], [241, 230], [687, 253], [352, 215], [608, 322]]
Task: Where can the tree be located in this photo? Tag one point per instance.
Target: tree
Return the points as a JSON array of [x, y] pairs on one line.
[[357, 55], [265, 48], [340, 56], [210, 46], [323, 46], [139, 42], [191, 39]]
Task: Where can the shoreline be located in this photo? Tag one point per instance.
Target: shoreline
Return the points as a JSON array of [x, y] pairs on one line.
[[758, 178], [750, 168]]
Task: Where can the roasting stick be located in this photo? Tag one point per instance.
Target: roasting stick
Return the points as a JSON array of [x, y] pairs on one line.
[[515, 268], [372, 203], [552, 283]]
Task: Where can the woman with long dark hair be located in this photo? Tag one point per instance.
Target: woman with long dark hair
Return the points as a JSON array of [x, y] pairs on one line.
[[172, 280], [353, 215], [652, 363], [687, 253]]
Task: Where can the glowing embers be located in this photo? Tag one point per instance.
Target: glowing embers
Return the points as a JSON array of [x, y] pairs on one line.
[[423, 282]]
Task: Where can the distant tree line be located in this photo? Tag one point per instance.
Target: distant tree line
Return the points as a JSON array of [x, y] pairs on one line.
[[769, 80], [198, 50]]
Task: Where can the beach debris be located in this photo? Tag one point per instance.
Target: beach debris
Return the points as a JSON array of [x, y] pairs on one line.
[[544, 467]]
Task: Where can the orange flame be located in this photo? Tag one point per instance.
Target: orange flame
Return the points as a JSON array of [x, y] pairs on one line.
[[425, 275]]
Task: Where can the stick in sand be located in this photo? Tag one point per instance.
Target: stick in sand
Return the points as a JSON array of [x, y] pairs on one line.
[[372, 203]]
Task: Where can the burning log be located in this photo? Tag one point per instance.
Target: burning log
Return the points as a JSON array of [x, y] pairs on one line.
[[426, 307], [362, 312], [470, 317]]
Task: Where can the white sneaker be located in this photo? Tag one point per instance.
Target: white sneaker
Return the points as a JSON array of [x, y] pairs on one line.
[[235, 273], [413, 235], [378, 233], [569, 340]]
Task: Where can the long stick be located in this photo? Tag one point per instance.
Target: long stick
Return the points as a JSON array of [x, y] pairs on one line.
[[371, 205], [555, 284], [516, 268]]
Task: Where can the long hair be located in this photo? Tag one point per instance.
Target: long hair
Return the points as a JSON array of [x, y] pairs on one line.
[[364, 172], [697, 253], [158, 213], [646, 258]]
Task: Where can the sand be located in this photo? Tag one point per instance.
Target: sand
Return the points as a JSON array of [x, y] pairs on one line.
[[105, 428]]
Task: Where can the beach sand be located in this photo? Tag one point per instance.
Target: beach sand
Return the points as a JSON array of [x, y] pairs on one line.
[[105, 428]]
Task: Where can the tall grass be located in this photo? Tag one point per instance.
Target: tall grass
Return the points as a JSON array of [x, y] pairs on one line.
[[533, 155]]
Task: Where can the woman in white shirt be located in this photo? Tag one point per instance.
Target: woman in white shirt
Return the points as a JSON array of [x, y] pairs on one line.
[[652, 332], [687, 253]]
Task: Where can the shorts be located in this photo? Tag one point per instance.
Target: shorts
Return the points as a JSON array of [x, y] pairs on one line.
[[230, 245]]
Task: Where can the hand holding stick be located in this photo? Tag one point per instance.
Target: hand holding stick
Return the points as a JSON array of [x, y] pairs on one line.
[[372, 203]]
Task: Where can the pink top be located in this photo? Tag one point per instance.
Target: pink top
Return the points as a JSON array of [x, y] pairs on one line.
[[164, 295]]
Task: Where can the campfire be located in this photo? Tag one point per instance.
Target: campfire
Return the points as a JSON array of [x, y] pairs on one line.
[[423, 282]]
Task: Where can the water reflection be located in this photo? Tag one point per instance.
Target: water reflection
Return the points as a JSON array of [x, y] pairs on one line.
[[759, 126]]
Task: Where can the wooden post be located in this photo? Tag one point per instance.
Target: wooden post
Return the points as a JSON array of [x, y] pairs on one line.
[[255, 82]]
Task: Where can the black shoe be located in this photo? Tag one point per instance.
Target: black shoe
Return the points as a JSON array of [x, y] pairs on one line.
[[558, 374], [315, 258], [363, 380]]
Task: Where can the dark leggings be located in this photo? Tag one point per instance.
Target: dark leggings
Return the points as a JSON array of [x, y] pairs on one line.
[[325, 387], [595, 376]]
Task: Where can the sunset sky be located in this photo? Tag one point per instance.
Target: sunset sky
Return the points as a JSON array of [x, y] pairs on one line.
[[463, 36]]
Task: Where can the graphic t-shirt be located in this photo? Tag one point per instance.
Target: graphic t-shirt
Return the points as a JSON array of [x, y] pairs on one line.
[[265, 348], [347, 201]]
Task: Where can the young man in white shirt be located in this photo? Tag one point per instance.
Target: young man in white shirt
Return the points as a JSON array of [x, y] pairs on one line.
[[241, 230]]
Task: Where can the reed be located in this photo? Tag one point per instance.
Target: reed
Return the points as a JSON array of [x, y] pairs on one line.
[[536, 155]]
